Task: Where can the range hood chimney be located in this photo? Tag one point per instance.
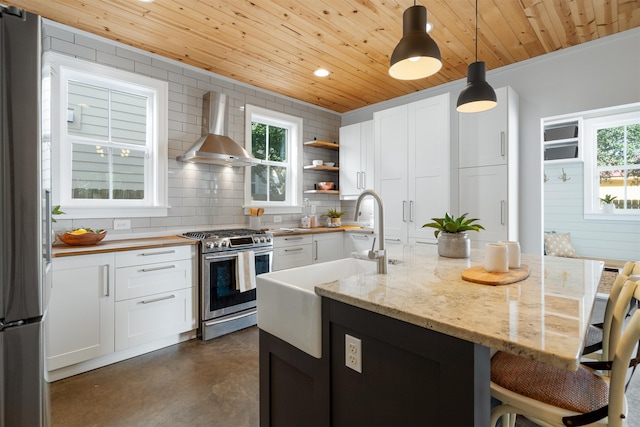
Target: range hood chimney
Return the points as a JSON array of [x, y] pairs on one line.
[[215, 147]]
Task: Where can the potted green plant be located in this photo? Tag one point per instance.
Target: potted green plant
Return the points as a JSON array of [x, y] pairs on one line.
[[334, 216], [451, 232], [607, 203]]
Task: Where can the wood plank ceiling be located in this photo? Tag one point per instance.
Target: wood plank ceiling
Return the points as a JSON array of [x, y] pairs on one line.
[[277, 44]]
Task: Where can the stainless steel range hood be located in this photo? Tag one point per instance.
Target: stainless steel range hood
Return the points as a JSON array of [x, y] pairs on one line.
[[215, 147]]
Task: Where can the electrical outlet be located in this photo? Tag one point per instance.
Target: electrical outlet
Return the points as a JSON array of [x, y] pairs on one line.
[[353, 353], [277, 218], [121, 224]]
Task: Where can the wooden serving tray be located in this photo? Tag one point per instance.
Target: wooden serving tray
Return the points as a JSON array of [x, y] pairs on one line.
[[478, 274]]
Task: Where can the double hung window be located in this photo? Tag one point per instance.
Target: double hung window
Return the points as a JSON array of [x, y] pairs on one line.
[[109, 134]]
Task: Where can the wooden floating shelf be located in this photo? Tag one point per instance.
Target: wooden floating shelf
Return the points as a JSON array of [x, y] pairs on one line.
[[322, 192], [322, 168], [323, 144]]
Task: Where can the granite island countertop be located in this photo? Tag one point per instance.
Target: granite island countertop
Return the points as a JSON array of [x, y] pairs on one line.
[[543, 317]]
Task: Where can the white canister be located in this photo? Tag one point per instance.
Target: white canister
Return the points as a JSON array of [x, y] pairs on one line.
[[496, 258], [514, 252]]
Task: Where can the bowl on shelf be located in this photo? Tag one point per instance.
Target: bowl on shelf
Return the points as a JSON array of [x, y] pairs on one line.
[[317, 162], [324, 185], [330, 164], [72, 238]]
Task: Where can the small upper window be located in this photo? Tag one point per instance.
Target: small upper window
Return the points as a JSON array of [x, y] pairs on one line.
[[612, 164], [110, 126], [276, 139]]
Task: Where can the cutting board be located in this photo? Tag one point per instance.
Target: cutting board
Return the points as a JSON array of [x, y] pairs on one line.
[[478, 274]]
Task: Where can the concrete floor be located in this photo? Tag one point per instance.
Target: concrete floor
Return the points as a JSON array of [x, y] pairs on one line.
[[196, 383]]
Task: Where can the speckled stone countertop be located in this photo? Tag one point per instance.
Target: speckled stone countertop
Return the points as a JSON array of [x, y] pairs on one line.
[[543, 317], [105, 246]]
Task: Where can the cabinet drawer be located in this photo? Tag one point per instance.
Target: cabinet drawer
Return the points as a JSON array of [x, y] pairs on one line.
[[154, 255], [150, 279], [292, 256], [147, 319], [286, 241]]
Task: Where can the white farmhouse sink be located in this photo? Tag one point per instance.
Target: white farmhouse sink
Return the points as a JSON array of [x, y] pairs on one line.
[[288, 306]]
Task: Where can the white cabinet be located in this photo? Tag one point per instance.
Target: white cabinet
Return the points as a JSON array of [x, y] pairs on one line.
[[156, 294], [357, 159], [412, 167], [488, 174], [292, 251], [80, 317], [109, 307], [327, 247]]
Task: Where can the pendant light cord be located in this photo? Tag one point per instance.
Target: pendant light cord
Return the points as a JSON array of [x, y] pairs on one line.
[[476, 30]]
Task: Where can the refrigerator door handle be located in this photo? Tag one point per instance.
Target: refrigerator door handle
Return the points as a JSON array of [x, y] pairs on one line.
[[48, 225]]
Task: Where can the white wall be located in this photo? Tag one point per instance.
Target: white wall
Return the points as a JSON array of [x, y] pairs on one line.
[[597, 74]]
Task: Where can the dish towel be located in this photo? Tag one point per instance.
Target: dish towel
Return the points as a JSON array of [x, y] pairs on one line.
[[246, 273]]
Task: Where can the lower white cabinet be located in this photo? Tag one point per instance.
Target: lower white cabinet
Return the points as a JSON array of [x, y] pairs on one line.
[[327, 247], [304, 249], [292, 251], [80, 317], [154, 299], [107, 303]]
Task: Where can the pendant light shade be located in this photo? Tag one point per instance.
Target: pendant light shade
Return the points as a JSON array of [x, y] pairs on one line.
[[416, 56], [478, 95]]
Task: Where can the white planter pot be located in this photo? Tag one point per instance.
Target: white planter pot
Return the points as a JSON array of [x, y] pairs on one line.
[[454, 245], [608, 208]]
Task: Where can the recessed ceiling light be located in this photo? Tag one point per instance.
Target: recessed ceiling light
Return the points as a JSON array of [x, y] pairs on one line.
[[321, 72], [147, 1]]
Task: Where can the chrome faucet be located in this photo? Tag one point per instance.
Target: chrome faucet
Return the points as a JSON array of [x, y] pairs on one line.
[[380, 255]]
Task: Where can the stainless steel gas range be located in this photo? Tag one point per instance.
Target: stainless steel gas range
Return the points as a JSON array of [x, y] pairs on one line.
[[230, 260]]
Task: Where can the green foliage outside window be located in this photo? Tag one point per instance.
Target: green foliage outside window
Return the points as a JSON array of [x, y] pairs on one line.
[[269, 180]]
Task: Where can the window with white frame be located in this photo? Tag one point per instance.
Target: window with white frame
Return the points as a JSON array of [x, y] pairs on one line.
[[276, 140], [612, 165], [109, 133]]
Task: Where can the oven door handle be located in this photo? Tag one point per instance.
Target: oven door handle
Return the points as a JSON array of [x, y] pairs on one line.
[[231, 318]]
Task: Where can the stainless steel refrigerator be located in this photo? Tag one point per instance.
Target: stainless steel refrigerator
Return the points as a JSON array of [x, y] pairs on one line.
[[25, 230]]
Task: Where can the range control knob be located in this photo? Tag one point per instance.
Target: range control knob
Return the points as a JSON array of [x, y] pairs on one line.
[[256, 240], [262, 239], [268, 238], [216, 244], [209, 245], [224, 243]]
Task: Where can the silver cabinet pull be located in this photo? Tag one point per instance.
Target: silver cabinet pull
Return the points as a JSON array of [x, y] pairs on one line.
[[502, 143], [358, 180], [502, 211], [164, 267], [105, 279], [364, 181], [293, 238], [392, 240], [418, 242], [404, 210], [411, 211], [49, 230], [316, 257], [293, 250], [359, 237], [149, 301], [157, 253]]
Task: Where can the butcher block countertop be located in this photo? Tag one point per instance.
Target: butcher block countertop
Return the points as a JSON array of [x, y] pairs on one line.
[[277, 232], [105, 246], [543, 317]]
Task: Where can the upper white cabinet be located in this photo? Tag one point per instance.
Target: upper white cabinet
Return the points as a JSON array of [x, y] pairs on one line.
[[485, 137], [412, 167], [488, 174], [357, 159]]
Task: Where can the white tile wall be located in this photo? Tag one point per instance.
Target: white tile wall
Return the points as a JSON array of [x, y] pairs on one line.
[[201, 196]]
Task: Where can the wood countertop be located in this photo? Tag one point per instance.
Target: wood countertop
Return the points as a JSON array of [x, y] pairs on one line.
[[544, 317], [278, 232], [63, 250]]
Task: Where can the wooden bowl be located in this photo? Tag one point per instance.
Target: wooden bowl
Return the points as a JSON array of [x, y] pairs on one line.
[[85, 239]]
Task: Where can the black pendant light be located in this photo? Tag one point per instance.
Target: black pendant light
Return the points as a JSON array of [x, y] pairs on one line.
[[416, 56], [478, 95]]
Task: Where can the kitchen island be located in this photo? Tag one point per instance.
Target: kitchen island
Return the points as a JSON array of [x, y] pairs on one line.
[[426, 337]]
